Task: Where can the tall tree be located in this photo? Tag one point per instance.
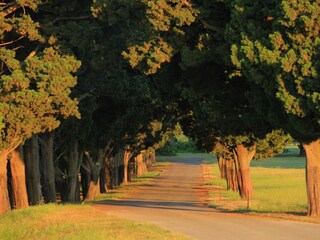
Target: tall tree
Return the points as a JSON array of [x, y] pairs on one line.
[[276, 45], [35, 82]]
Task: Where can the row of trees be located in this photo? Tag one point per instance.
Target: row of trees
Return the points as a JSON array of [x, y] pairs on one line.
[[251, 66], [58, 61], [239, 76]]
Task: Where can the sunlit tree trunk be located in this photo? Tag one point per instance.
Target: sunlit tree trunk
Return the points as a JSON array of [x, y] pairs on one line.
[[31, 156], [150, 158], [19, 189], [126, 158], [243, 156], [141, 164], [47, 168], [4, 195], [313, 177], [231, 175], [222, 166]]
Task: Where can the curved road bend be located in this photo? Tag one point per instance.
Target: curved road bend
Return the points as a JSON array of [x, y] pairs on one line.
[[172, 201]]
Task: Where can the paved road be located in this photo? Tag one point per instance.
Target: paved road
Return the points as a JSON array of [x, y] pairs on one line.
[[173, 201]]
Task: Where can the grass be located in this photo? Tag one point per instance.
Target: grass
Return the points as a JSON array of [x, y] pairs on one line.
[[279, 188], [75, 222], [53, 221]]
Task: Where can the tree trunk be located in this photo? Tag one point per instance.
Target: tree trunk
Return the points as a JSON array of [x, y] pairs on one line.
[[4, 194], [94, 186], [302, 152], [31, 156], [313, 177], [150, 158], [105, 175], [222, 166], [243, 157], [47, 168], [73, 167], [126, 158], [85, 178], [20, 195], [117, 161], [231, 175], [103, 178], [141, 164]]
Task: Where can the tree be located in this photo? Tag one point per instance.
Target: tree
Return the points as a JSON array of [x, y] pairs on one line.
[[276, 45], [235, 140], [35, 83]]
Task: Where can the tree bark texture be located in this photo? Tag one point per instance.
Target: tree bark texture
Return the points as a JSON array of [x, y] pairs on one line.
[[103, 178], [18, 179], [118, 161], [73, 162], [243, 157], [4, 194], [94, 186], [31, 156], [126, 158], [85, 178], [231, 175], [313, 177], [141, 163], [150, 157], [222, 166], [228, 172], [47, 168], [106, 174]]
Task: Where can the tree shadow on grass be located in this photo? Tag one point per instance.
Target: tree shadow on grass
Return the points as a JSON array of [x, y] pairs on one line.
[[249, 211]]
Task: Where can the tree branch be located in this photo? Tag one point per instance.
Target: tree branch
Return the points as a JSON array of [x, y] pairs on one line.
[[71, 18], [13, 41], [211, 27], [34, 52], [7, 11]]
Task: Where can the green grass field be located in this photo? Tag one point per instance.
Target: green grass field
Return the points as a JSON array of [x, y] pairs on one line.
[[278, 183]]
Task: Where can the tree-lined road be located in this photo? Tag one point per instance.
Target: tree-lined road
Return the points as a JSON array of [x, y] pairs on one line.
[[173, 201]]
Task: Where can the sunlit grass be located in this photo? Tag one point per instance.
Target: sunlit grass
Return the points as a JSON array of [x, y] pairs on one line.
[[74, 222]]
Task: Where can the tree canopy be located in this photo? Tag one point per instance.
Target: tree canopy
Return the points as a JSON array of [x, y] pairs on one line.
[[237, 74]]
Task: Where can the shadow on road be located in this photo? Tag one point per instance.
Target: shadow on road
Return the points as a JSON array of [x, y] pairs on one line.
[[184, 160], [181, 206]]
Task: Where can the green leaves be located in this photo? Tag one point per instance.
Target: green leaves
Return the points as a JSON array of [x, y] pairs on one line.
[[34, 96], [281, 54], [149, 56], [35, 81]]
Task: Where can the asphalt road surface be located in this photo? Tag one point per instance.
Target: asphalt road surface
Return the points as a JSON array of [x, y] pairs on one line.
[[173, 201]]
